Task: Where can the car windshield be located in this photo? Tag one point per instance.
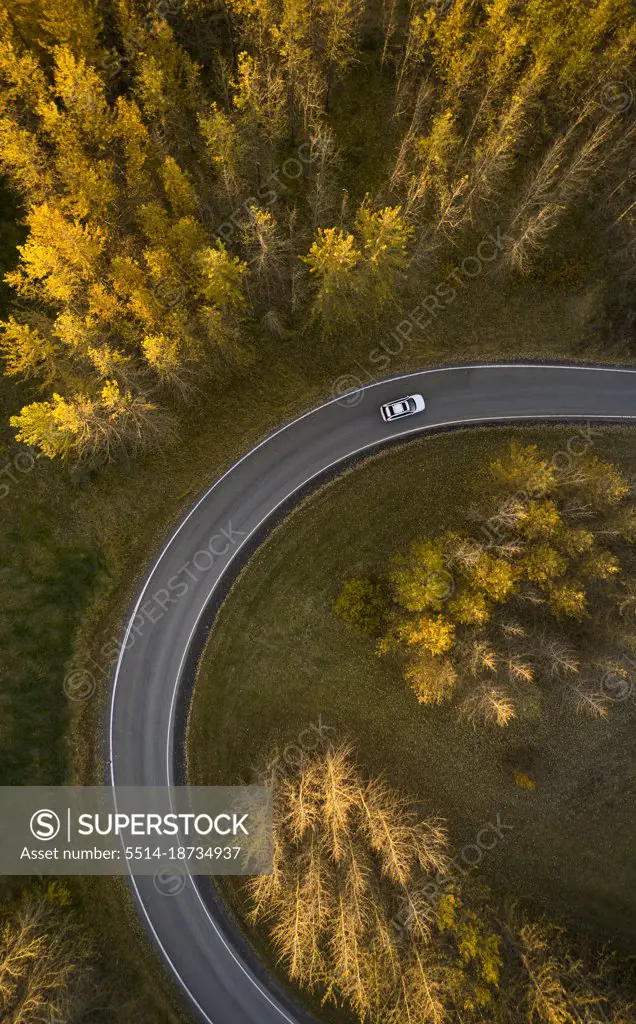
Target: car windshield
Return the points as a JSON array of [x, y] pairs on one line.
[[399, 408]]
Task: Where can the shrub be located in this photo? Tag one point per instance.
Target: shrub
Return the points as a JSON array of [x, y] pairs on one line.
[[361, 604]]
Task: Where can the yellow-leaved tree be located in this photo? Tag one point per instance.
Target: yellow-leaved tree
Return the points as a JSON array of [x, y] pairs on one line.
[[492, 617], [362, 906], [125, 293]]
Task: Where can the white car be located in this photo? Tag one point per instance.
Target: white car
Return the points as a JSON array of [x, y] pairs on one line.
[[402, 407]]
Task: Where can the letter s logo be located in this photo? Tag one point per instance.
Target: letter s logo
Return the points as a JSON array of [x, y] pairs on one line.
[[45, 825]]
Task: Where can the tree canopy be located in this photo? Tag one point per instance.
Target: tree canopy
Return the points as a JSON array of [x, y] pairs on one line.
[[366, 908], [493, 616], [185, 190], [353, 907]]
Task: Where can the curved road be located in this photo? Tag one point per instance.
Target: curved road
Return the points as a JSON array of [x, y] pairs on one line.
[[221, 979]]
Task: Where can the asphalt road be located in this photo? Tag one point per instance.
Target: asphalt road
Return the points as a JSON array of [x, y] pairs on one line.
[[218, 975]]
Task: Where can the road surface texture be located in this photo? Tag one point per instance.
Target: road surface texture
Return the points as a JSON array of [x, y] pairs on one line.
[[221, 978]]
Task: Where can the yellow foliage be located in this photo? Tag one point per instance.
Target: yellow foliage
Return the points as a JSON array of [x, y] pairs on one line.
[[23, 159], [220, 275], [494, 576], [470, 608], [25, 350], [82, 91], [162, 352], [524, 781], [332, 257], [54, 427], [540, 519], [568, 599], [348, 905], [542, 564], [432, 680], [61, 254], [129, 128], [260, 96], [524, 469], [86, 427], [179, 190], [435, 634]]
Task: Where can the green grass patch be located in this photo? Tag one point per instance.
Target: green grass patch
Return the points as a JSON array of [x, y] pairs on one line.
[[279, 659], [44, 587]]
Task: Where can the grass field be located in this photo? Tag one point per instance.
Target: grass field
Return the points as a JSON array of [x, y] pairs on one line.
[[279, 659]]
